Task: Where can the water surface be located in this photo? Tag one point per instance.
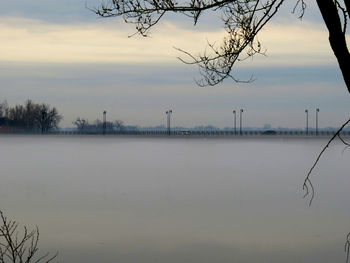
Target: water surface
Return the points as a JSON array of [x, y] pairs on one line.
[[132, 199]]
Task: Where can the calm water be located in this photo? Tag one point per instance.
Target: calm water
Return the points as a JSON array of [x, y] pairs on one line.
[[115, 199]]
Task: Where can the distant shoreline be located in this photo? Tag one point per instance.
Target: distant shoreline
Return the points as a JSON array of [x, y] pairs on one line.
[[173, 135]]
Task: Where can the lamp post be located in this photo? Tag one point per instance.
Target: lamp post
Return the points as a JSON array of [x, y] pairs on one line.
[[240, 121], [317, 111], [104, 124], [234, 122], [168, 115], [307, 121]]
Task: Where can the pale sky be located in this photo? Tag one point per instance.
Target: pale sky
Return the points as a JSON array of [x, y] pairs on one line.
[[60, 53]]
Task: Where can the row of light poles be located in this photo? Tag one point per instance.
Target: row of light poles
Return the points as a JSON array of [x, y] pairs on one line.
[[240, 121], [169, 112], [307, 120]]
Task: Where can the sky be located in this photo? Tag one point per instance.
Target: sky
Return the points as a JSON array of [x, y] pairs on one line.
[[59, 52]]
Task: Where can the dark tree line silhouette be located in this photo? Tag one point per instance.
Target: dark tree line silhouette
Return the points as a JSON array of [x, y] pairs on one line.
[[29, 117]]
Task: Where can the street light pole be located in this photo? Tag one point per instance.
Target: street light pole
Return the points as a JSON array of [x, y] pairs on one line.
[[307, 121], [167, 121], [317, 111], [234, 122], [240, 121], [168, 114], [104, 125]]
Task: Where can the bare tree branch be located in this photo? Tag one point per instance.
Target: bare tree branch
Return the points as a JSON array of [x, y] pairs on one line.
[[307, 185], [20, 248], [242, 21], [301, 5], [347, 247]]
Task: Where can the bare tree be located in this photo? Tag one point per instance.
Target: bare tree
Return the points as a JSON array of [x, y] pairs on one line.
[[119, 125], [30, 116], [4, 114], [4, 109], [31, 110], [242, 21], [17, 116], [20, 246], [81, 123], [47, 118]]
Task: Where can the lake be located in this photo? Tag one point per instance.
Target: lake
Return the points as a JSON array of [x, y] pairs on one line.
[[199, 200]]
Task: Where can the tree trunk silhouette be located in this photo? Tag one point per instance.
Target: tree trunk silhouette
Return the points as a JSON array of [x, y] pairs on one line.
[[336, 36]]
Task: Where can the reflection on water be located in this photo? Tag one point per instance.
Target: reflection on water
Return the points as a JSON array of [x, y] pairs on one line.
[[117, 199]]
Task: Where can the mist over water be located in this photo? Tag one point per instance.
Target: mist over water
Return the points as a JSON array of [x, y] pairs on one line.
[[132, 199]]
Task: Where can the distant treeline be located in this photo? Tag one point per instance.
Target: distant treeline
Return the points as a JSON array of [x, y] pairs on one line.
[[83, 125], [30, 117]]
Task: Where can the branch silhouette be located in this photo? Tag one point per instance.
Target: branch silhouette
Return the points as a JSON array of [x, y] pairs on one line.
[[307, 185], [20, 247]]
